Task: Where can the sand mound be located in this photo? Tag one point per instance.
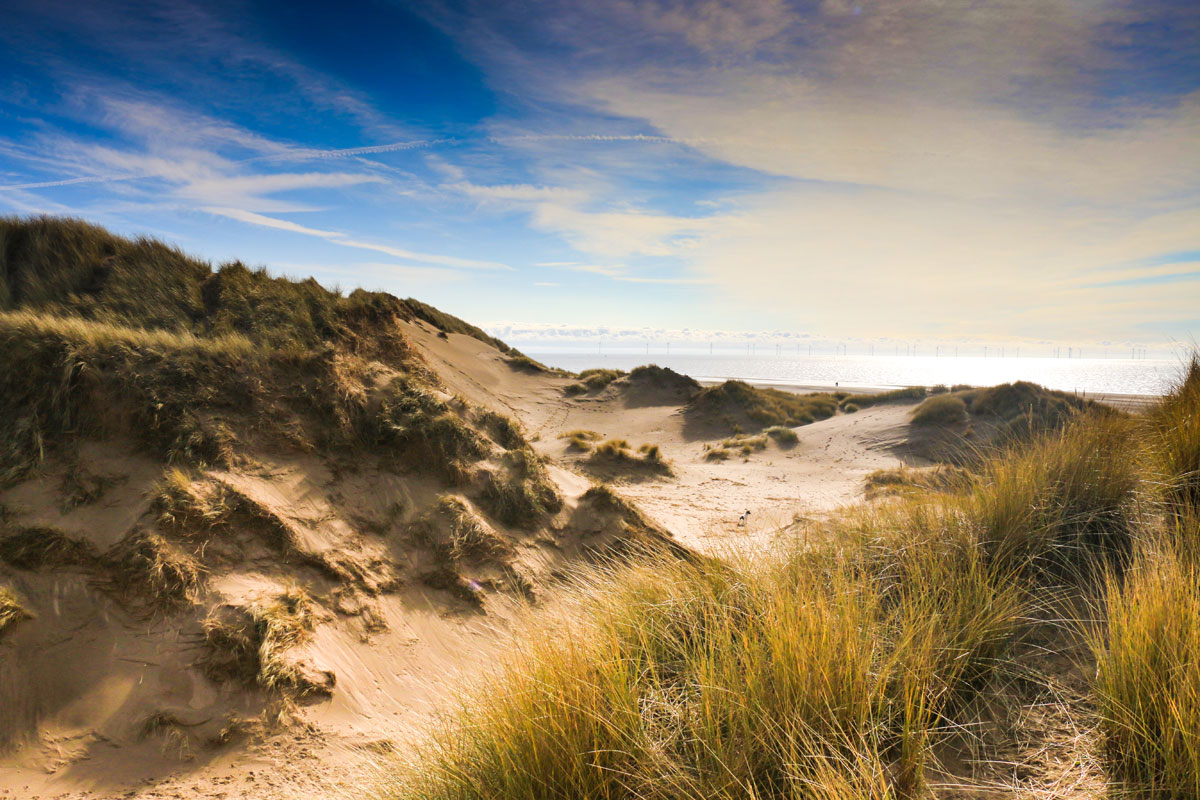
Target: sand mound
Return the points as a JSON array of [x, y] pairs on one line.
[[218, 524]]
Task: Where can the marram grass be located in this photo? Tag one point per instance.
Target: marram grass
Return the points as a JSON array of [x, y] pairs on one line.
[[834, 670]]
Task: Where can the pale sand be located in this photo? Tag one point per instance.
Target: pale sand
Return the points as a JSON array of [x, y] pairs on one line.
[[88, 673]]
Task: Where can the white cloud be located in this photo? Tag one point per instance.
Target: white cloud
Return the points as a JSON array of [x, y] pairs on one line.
[[342, 239]]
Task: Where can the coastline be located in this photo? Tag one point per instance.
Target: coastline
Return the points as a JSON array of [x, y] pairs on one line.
[[1132, 403]]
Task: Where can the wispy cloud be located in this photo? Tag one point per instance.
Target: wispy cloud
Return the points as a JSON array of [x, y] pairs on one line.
[[344, 240]]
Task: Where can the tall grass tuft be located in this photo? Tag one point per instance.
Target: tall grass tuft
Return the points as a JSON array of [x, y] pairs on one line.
[[780, 678], [1148, 676]]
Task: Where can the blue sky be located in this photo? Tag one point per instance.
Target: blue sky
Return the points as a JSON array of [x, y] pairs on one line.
[[901, 169]]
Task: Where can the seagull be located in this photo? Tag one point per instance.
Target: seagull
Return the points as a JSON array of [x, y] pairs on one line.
[[742, 519]]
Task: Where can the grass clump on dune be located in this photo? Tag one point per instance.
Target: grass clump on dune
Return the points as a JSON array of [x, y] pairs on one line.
[[149, 569], [412, 420], [521, 492], [904, 480], [784, 437], [837, 666], [892, 396], [250, 645], [735, 403], [598, 379], [618, 454], [1148, 675], [36, 547], [580, 440], [676, 676], [940, 409], [1147, 643], [11, 610]]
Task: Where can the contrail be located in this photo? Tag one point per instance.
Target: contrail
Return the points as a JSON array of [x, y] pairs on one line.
[[392, 147]]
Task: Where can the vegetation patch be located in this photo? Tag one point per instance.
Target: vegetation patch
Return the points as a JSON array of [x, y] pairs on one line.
[[521, 492], [504, 430], [580, 440], [908, 480], [147, 568], [111, 336], [11, 610], [616, 456], [738, 404], [783, 436], [907, 393], [249, 645], [884, 637], [596, 380], [943, 409], [36, 547], [422, 427]]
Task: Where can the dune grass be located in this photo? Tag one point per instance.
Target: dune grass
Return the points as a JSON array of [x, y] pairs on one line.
[[617, 454], [907, 480], [940, 409], [1147, 679], [866, 400], [520, 493], [783, 436], [250, 645], [154, 572], [835, 665], [11, 610], [598, 379], [735, 404]]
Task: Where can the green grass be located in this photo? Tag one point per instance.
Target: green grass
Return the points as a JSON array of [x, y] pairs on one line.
[[940, 409]]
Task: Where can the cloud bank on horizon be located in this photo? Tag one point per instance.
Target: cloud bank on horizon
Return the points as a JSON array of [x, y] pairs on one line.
[[897, 168]]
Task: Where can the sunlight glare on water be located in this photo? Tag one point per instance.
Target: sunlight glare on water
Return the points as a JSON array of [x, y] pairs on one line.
[[1084, 375]]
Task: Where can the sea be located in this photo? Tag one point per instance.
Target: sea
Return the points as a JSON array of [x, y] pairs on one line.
[[1134, 376]]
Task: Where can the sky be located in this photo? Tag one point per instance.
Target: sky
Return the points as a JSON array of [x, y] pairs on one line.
[[557, 171]]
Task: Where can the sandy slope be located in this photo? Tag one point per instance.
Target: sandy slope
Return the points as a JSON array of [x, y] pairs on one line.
[[701, 504], [92, 668]]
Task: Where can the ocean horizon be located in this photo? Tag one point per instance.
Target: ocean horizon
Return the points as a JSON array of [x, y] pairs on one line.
[[1148, 377]]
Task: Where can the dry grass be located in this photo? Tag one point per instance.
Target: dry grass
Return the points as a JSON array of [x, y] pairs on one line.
[[596, 380], [11, 610], [941, 409], [116, 337], [1148, 675], [617, 455], [736, 404], [908, 480], [150, 570], [521, 493], [838, 664], [784, 437], [250, 645], [467, 537], [36, 548], [908, 393]]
